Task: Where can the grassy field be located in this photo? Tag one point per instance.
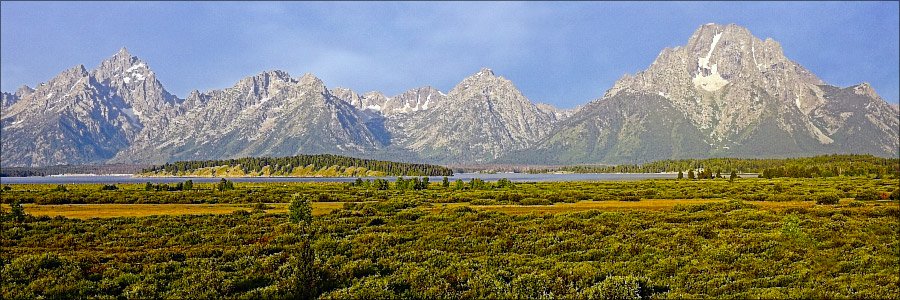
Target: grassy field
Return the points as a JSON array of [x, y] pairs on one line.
[[86, 211], [751, 238]]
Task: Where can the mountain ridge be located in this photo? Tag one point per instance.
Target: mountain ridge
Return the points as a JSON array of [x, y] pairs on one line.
[[725, 92]]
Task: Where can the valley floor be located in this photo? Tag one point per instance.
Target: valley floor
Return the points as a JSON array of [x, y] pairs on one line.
[[751, 238], [88, 211]]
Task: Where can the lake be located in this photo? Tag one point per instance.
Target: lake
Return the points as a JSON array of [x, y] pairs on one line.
[[516, 177]]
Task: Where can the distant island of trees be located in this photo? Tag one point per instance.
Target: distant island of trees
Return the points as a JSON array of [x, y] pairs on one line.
[[319, 165]]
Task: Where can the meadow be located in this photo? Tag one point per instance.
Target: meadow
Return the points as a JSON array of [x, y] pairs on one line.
[[831, 237]]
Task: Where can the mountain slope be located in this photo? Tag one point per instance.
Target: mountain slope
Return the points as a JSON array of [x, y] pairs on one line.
[[724, 93], [270, 114], [739, 95], [482, 118], [82, 117]]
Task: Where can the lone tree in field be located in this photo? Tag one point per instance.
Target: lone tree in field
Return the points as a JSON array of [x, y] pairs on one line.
[[17, 212], [732, 176], [300, 209], [680, 175], [691, 174]]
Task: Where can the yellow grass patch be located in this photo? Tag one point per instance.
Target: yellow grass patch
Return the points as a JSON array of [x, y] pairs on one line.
[[645, 204], [86, 211], [662, 204]]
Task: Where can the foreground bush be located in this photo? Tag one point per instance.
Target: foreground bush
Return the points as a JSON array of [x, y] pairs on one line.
[[827, 199]]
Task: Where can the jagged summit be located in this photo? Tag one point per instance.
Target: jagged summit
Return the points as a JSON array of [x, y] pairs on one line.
[[310, 79], [24, 90], [485, 72], [725, 92]]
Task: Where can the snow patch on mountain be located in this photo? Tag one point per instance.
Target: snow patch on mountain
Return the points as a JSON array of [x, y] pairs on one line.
[[708, 78]]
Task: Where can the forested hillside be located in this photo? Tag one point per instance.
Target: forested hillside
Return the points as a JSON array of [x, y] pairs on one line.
[[321, 165]]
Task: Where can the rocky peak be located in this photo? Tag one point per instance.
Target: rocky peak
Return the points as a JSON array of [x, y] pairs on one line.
[[484, 82], [866, 90], [23, 91], [261, 83], [375, 95], [275, 75], [309, 79], [717, 73], [63, 82], [417, 99], [485, 72], [122, 65], [347, 95], [76, 71]]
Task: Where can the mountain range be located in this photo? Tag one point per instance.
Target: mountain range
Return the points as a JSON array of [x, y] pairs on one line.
[[726, 93]]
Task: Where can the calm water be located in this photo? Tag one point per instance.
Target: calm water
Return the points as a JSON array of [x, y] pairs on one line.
[[517, 177]]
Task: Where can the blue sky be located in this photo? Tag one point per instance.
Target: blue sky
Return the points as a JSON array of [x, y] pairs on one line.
[[563, 53]]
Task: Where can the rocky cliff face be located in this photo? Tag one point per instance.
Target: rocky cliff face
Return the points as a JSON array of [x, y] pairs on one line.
[[742, 96]]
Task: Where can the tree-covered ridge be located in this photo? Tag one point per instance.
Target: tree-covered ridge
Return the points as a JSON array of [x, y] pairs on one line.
[[319, 165], [816, 166]]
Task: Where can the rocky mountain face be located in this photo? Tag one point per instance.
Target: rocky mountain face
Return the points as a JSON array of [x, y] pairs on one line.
[[82, 117], [482, 118], [414, 100], [270, 114], [725, 93], [7, 100]]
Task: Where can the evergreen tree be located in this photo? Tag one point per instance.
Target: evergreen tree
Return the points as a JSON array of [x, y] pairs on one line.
[[680, 175], [732, 176], [691, 174], [445, 182], [17, 212], [189, 185], [300, 209]]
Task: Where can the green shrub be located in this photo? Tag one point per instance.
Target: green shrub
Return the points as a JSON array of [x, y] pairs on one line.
[[867, 195], [619, 287], [630, 198], [827, 199], [483, 202], [535, 201]]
